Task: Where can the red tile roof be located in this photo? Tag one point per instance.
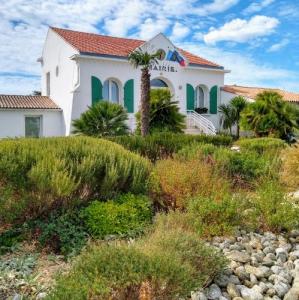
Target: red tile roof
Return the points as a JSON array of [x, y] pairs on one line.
[[90, 43], [251, 92], [26, 102]]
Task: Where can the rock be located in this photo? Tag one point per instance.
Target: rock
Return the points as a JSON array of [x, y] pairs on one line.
[[214, 292], [268, 250], [281, 254], [222, 280], [253, 279], [241, 273], [232, 290], [198, 296], [238, 298], [239, 256], [294, 233], [41, 296], [271, 292], [281, 288], [234, 279], [268, 262], [293, 293], [263, 287], [17, 297], [250, 294], [259, 272]]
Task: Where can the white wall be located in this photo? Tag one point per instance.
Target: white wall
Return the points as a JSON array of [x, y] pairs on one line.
[[57, 53], [12, 122]]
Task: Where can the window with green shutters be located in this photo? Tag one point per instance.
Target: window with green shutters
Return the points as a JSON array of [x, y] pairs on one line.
[[129, 96], [213, 99], [96, 90], [190, 96]]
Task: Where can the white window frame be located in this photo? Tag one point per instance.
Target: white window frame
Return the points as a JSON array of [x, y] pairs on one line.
[[41, 123], [110, 91]]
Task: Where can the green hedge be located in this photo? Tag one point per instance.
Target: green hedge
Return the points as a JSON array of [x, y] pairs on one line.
[[126, 215], [163, 145], [39, 175], [261, 145]]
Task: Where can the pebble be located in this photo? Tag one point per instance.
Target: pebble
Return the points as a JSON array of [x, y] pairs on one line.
[[261, 266]]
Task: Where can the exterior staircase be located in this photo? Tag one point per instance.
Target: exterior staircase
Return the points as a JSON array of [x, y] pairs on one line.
[[198, 124]]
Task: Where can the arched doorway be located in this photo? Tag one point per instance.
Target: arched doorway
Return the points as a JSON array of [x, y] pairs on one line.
[[201, 99]]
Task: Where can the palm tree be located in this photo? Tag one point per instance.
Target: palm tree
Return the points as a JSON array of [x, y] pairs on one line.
[[238, 104], [231, 113], [227, 118], [271, 115], [138, 58], [164, 113], [102, 119]]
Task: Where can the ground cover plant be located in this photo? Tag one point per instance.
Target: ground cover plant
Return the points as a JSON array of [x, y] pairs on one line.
[[127, 215], [38, 176]]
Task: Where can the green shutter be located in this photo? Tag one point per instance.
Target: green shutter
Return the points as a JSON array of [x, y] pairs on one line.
[[190, 97], [96, 90], [213, 99], [129, 95]]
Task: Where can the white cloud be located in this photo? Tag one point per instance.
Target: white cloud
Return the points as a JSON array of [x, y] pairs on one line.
[[152, 27], [278, 46], [245, 70], [257, 6], [241, 31], [179, 31], [126, 17], [217, 6]]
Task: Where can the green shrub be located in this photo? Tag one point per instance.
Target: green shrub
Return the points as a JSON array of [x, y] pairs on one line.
[[271, 209], [64, 233], [163, 145], [261, 145], [163, 267], [43, 174], [242, 167], [127, 215], [290, 168], [164, 113], [102, 119], [212, 218]]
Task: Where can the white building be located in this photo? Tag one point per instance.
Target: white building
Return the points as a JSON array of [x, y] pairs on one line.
[[79, 69]]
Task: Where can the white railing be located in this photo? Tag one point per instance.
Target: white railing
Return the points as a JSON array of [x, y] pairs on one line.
[[195, 120]]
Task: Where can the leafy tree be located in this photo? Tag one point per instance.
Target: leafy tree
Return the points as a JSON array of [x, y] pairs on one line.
[[138, 58], [102, 119], [164, 113], [270, 115], [231, 113]]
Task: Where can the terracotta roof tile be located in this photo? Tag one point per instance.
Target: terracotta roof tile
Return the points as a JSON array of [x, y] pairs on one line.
[[91, 43], [251, 92], [26, 102]]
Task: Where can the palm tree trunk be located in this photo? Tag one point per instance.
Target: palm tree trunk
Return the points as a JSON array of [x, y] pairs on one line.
[[145, 101], [238, 130]]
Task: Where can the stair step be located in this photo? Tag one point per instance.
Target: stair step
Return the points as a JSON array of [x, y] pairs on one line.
[[192, 131]]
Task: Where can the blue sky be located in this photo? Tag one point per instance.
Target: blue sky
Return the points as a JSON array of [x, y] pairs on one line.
[[257, 40]]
